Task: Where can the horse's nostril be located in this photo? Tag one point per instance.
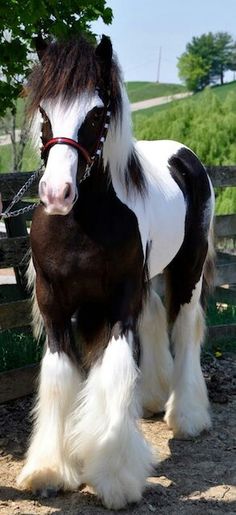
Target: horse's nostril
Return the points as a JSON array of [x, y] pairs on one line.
[[67, 191]]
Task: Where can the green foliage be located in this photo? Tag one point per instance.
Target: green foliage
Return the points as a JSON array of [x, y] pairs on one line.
[[194, 71], [18, 349], [216, 314], [206, 59], [30, 159], [138, 91], [224, 58], [207, 126], [23, 21]]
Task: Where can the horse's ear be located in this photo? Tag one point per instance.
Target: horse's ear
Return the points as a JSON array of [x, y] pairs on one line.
[[41, 46], [104, 51]]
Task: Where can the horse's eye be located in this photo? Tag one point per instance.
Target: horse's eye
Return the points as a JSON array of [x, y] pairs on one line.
[[97, 114]]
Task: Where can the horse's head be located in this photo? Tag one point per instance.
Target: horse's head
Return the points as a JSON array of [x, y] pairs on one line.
[[74, 87]]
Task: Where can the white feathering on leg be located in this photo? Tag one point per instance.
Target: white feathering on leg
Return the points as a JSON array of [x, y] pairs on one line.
[[47, 466], [103, 430], [187, 408]]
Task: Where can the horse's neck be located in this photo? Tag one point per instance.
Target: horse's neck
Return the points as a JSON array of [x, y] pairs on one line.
[[99, 182]]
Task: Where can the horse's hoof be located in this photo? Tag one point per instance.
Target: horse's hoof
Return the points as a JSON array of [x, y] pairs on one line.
[[188, 425], [47, 492], [45, 482], [115, 494]]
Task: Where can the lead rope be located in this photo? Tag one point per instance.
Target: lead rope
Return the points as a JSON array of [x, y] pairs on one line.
[[10, 214]]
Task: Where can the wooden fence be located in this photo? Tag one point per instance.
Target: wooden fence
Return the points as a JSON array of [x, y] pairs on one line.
[[14, 251]]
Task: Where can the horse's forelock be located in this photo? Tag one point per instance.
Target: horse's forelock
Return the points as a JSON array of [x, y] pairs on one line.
[[68, 69]]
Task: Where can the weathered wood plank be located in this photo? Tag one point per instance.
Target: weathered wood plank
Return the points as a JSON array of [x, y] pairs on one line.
[[18, 383], [225, 226], [218, 332], [14, 251], [10, 183], [226, 274], [15, 314], [16, 227], [222, 176], [225, 258]]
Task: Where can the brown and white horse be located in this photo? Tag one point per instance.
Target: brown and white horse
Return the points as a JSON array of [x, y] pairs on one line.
[[114, 213]]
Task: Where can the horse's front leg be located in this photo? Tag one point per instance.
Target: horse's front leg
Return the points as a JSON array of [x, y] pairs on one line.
[[47, 467], [104, 428]]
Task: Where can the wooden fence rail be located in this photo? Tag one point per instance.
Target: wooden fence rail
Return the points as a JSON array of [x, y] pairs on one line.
[[14, 252]]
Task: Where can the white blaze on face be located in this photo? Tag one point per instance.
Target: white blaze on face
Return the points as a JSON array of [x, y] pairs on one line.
[[57, 187]]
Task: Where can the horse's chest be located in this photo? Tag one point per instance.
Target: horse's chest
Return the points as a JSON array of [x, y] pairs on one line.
[[90, 250]]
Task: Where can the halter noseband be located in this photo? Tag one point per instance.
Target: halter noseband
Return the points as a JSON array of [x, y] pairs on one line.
[[67, 141]]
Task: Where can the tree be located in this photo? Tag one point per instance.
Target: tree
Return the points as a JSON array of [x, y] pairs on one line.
[[23, 21], [224, 55], [17, 137], [194, 71], [206, 59]]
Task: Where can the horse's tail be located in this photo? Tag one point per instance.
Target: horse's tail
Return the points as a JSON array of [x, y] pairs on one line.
[[37, 321], [209, 268]]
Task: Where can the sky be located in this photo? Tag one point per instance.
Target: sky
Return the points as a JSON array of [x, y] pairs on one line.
[[141, 27]]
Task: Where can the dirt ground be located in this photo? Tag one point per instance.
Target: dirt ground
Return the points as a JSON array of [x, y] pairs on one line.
[[193, 477]]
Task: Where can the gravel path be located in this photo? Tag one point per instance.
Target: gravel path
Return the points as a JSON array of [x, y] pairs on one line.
[[151, 102]]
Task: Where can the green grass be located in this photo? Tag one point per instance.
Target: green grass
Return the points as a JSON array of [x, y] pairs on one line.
[[30, 159], [222, 91], [138, 91], [18, 349], [216, 315]]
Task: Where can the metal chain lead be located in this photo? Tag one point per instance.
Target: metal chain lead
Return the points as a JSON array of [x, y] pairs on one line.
[[10, 214]]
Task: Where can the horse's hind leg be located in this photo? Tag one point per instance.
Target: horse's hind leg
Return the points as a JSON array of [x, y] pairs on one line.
[[47, 468], [104, 432], [189, 271], [156, 363], [187, 410]]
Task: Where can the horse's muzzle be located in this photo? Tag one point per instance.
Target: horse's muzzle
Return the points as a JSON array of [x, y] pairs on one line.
[[59, 200]]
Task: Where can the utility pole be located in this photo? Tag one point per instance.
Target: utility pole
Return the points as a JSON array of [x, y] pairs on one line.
[[159, 65]]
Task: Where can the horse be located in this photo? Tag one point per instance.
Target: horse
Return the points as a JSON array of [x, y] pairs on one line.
[[114, 213]]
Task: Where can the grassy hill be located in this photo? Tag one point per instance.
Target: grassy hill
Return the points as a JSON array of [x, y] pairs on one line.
[[138, 91], [221, 92]]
